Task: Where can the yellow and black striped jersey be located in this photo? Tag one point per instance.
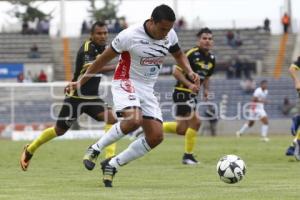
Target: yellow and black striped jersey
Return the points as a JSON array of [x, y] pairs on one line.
[[85, 57], [297, 64], [203, 63]]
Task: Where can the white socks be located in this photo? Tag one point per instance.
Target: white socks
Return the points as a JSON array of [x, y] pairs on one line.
[[244, 128], [264, 131], [113, 135], [135, 150]]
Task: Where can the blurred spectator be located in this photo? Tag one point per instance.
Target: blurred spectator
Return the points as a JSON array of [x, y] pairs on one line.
[[28, 78], [238, 41], [267, 25], [238, 67], [117, 26], [230, 72], [247, 68], [287, 106], [248, 85], [180, 24], [230, 38], [34, 52], [25, 27], [211, 114], [123, 23], [43, 26], [42, 76], [35, 77], [20, 77], [84, 28], [285, 20]]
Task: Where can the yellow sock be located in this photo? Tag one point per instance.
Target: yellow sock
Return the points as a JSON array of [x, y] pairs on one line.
[[45, 136], [190, 140], [110, 150], [298, 135], [169, 127]]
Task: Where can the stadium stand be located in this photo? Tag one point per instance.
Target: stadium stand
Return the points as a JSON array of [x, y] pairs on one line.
[[14, 48]]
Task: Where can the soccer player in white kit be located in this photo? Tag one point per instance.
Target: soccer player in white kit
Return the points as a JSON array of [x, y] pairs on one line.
[[142, 49], [257, 111]]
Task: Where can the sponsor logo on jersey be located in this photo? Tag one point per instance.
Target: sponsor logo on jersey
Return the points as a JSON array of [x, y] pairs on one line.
[[149, 61], [153, 71], [131, 97]]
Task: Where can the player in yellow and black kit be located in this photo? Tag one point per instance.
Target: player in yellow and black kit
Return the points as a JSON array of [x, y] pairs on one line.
[[185, 92], [295, 148], [83, 100]]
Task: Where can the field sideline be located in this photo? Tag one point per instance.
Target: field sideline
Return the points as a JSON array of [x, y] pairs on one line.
[[57, 173]]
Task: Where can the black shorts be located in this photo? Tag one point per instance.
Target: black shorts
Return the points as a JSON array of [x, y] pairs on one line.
[[73, 107], [185, 102]]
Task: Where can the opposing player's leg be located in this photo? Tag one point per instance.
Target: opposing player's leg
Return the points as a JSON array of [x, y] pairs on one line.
[[297, 145], [170, 127], [47, 135], [244, 128], [296, 133], [67, 115], [190, 139]]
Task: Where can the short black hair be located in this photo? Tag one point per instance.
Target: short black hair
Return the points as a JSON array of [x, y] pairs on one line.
[[97, 23], [204, 30], [263, 82], [163, 12]]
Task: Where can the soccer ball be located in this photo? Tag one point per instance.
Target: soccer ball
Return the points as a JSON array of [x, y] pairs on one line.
[[231, 169]]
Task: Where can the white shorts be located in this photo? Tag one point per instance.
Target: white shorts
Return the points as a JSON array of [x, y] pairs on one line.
[[128, 93], [256, 114]]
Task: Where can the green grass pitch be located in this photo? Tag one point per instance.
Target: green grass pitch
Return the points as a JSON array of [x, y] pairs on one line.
[[56, 172]]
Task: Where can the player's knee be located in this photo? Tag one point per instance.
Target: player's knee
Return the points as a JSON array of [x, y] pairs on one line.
[[156, 140], [250, 124], [180, 131], [159, 139], [135, 123], [196, 124]]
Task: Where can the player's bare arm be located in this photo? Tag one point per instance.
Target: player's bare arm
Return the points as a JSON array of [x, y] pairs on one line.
[[293, 72], [107, 68], [183, 62], [177, 73]]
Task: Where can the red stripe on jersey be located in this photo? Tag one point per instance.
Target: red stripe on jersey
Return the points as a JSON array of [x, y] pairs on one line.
[[122, 71], [253, 106]]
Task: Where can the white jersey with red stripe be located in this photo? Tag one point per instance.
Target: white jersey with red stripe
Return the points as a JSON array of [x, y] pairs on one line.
[[141, 55], [257, 110], [261, 95], [138, 68]]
